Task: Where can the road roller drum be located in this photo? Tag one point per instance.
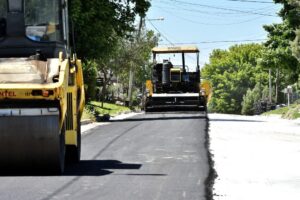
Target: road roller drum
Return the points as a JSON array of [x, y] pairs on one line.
[[31, 138]]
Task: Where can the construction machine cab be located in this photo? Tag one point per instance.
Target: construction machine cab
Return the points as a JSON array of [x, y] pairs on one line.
[[171, 72], [178, 50], [175, 80], [28, 27]]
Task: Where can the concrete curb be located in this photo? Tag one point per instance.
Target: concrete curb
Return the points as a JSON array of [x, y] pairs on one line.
[[123, 115]]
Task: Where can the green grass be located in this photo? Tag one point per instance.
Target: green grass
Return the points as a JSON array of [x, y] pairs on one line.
[[108, 108], [291, 112], [279, 111], [87, 114]]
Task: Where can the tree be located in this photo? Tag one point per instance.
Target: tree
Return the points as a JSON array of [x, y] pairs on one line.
[[135, 55], [282, 53], [286, 32], [232, 72], [295, 18], [279, 52], [90, 75], [100, 23], [296, 45], [290, 12], [253, 98], [127, 53], [98, 26]]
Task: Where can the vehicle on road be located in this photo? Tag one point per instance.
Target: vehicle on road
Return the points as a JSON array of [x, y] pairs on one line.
[[41, 86], [175, 83]]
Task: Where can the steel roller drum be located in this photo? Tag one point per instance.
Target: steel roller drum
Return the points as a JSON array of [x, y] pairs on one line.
[[30, 138]]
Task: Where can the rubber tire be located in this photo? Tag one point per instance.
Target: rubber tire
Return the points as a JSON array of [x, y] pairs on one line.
[[73, 152], [59, 169]]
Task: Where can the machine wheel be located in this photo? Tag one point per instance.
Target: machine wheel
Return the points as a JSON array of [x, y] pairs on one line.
[[73, 152], [62, 152], [59, 165], [32, 142]]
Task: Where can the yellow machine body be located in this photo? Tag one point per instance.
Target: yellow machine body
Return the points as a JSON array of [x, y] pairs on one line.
[[72, 105], [206, 89], [41, 86], [55, 80]]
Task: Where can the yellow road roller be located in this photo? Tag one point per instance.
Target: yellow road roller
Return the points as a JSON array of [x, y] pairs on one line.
[[41, 86]]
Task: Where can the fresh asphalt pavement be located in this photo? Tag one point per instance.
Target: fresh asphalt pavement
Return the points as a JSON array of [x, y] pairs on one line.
[[145, 157]]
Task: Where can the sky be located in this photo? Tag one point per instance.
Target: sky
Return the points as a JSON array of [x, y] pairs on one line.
[[211, 24]]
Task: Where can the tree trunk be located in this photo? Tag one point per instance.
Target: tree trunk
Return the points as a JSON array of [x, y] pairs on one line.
[[103, 94], [130, 86]]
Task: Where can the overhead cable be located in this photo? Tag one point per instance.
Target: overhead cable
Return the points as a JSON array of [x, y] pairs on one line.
[[160, 33], [222, 8], [249, 1], [209, 24], [220, 41]]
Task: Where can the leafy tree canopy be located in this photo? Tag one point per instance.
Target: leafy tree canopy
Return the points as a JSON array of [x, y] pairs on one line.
[[290, 11], [99, 24], [231, 73], [280, 54]]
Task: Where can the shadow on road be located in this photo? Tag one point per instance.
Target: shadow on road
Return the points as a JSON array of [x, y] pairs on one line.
[[175, 109], [97, 167], [129, 174], [83, 168]]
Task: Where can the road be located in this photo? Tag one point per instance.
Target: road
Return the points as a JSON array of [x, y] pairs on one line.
[[256, 157], [149, 156]]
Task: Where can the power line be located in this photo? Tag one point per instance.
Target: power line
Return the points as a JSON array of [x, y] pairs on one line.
[[160, 32], [248, 1], [210, 24], [221, 8], [214, 13], [219, 41], [219, 13]]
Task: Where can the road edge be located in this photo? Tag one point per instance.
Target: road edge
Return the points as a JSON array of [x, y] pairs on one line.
[[87, 125], [212, 174]]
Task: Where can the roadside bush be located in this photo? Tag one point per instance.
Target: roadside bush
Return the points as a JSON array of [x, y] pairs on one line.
[[90, 75], [293, 112], [249, 99]]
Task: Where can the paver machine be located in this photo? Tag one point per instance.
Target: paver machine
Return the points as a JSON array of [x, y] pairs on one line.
[[41, 86], [175, 83]]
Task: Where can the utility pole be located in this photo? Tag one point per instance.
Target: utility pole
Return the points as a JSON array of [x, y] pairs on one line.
[[131, 70], [270, 86], [277, 85], [130, 84], [131, 73]]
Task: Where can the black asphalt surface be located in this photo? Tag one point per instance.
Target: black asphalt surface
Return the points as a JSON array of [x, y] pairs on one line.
[[150, 156]]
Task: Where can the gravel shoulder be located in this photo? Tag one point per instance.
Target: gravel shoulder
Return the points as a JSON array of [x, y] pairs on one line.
[[255, 157]]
